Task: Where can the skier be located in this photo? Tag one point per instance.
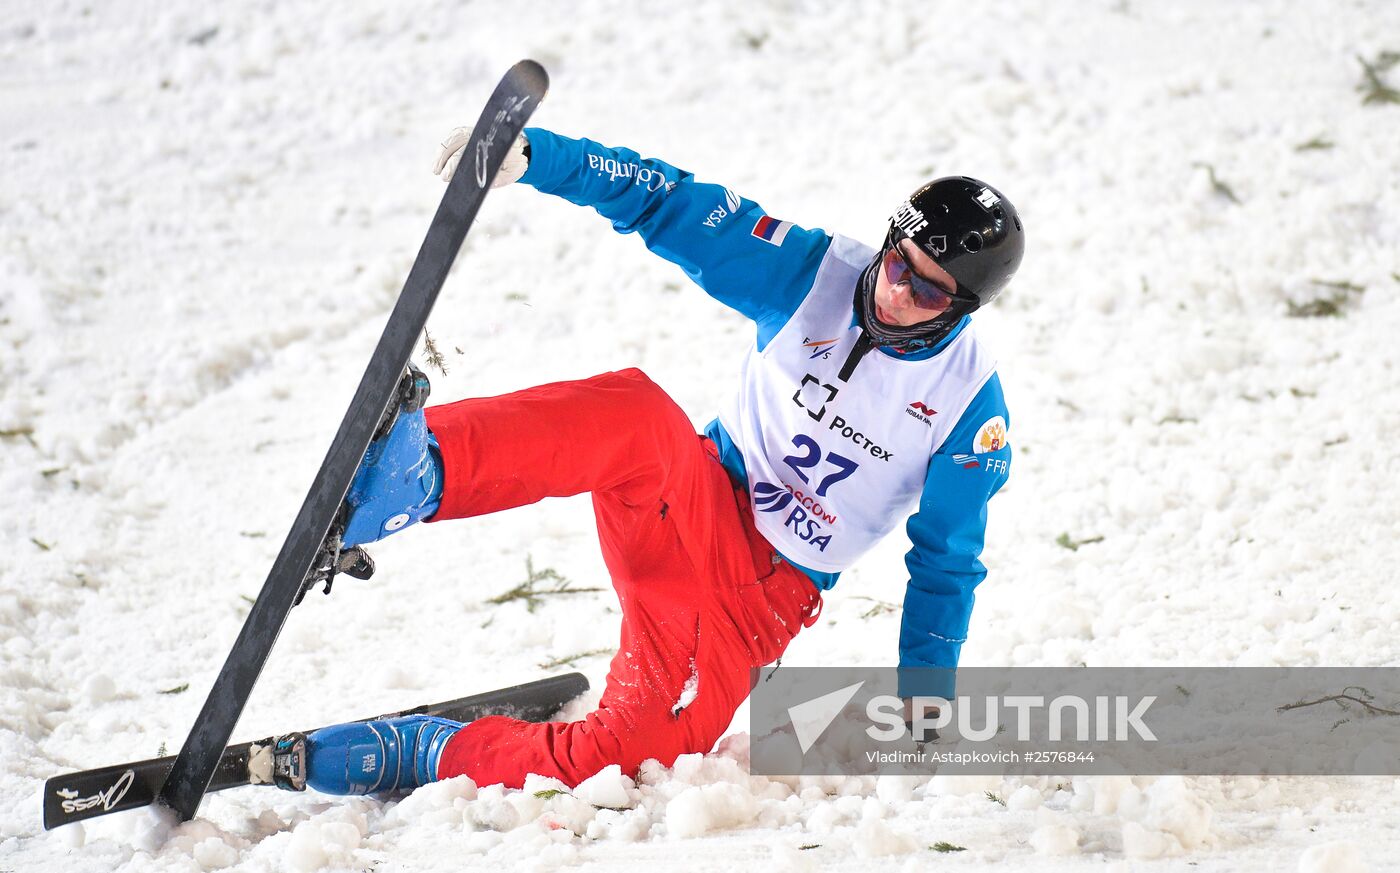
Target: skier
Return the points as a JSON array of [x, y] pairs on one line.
[[866, 397]]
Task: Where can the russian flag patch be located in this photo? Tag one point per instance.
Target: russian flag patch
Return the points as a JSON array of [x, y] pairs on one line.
[[770, 230]]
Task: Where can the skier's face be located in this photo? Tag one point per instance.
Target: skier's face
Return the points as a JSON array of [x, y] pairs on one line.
[[910, 287]]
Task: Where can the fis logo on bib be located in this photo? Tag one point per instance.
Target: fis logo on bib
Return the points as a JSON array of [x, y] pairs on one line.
[[820, 348], [807, 525]]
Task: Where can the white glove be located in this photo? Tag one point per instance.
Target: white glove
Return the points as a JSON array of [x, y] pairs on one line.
[[512, 168]]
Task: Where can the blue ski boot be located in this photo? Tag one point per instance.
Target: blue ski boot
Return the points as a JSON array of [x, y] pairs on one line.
[[398, 482], [362, 757]]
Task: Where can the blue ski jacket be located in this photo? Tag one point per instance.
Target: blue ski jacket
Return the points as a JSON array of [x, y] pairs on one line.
[[711, 233]]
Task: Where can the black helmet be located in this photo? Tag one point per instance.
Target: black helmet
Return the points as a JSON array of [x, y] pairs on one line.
[[971, 231]]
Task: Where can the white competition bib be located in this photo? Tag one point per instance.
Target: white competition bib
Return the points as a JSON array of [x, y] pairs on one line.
[[834, 466]]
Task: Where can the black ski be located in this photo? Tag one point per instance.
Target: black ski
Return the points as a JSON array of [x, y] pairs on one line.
[[501, 121], [90, 793]]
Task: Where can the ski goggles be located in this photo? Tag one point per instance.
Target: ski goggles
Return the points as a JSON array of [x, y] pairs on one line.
[[927, 293]]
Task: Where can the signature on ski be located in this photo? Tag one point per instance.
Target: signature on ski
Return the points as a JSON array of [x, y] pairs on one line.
[[109, 798], [483, 148]]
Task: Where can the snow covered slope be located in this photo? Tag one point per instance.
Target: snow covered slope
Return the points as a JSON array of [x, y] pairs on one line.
[[207, 209]]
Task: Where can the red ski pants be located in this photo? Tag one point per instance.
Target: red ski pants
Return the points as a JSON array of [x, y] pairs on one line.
[[704, 597]]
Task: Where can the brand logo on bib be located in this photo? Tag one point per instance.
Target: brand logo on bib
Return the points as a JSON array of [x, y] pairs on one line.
[[922, 412], [809, 396], [849, 431], [770, 498]]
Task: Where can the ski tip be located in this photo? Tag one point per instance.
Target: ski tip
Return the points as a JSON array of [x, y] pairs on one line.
[[532, 71]]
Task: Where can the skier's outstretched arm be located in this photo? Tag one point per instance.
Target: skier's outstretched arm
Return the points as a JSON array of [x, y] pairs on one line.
[[725, 243], [947, 535]]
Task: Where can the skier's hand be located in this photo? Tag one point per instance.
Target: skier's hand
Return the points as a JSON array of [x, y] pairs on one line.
[[512, 168]]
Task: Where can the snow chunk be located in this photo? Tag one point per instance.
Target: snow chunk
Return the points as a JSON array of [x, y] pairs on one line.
[[214, 854], [569, 813], [625, 827], [779, 812], [1174, 809], [315, 845], [555, 857], [896, 789], [1106, 795], [482, 842], [1055, 840], [1024, 799], [527, 806], [823, 819], [1173, 821], [875, 839], [535, 783], [1333, 858], [493, 810], [689, 769], [609, 788], [702, 809], [441, 802], [73, 836], [948, 785], [1139, 842], [152, 830], [780, 752], [736, 748], [790, 859], [99, 688], [697, 769]]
